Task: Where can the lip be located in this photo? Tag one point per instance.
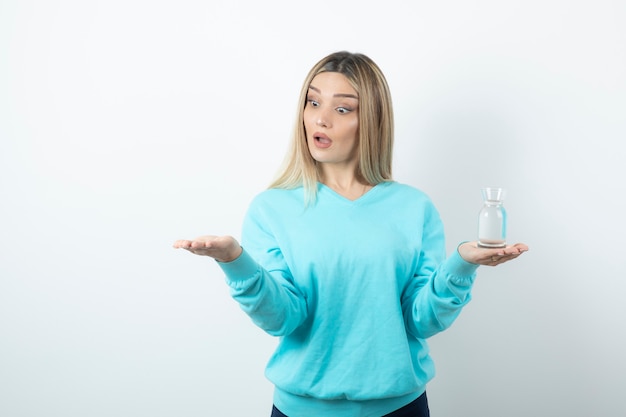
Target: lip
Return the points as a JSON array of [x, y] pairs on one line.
[[321, 140]]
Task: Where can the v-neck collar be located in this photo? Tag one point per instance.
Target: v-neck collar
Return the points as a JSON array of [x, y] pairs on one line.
[[323, 188]]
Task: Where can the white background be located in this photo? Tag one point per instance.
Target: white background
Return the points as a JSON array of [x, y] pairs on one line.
[[125, 125]]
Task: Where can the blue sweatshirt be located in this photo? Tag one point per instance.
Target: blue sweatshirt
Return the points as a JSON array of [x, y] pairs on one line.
[[352, 289]]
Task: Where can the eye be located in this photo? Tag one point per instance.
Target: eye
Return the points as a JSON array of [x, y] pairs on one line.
[[343, 110], [312, 102]]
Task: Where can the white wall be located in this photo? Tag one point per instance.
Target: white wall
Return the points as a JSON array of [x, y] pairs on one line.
[[125, 125]]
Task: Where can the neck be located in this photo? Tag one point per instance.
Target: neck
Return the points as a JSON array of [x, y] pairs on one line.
[[345, 183]]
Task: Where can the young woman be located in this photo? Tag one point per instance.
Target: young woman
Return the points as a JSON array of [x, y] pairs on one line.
[[344, 264]]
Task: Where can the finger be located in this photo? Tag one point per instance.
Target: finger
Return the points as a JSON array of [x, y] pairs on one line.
[[521, 247], [515, 250], [181, 244], [196, 244], [197, 251], [497, 260]]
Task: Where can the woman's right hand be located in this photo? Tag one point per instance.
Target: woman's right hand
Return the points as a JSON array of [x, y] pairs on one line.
[[220, 248]]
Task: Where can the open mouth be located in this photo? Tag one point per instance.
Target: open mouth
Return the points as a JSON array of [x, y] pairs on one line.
[[321, 140]]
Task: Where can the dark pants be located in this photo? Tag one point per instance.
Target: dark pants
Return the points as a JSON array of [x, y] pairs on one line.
[[418, 408]]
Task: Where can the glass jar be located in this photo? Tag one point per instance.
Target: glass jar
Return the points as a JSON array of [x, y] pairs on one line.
[[492, 219]]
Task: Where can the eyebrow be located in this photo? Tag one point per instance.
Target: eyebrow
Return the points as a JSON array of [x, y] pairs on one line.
[[317, 90]]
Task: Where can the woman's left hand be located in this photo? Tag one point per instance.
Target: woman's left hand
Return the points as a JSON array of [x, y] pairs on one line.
[[471, 252]]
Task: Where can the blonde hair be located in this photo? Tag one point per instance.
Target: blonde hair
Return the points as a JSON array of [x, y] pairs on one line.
[[375, 131]]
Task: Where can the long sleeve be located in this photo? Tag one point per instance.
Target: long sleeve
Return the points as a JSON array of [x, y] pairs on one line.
[[273, 304], [267, 294], [440, 288]]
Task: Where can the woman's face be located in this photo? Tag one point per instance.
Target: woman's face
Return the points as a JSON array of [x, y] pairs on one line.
[[331, 120]]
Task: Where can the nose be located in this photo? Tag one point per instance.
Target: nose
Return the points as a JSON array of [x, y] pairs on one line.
[[322, 119]]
